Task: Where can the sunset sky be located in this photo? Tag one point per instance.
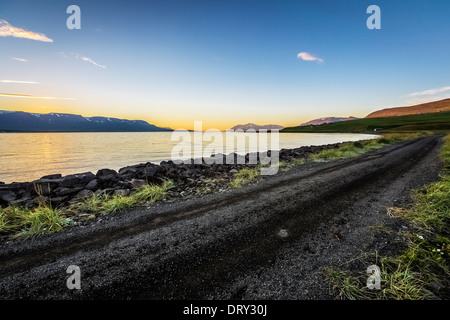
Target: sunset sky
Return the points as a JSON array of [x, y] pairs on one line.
[[223, 62]]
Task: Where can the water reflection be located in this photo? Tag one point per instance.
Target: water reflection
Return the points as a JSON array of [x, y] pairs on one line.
[[28, 156]]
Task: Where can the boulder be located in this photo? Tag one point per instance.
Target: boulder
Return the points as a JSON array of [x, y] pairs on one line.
[[150, 170], [59, 200], [79, 179], [44, 189], [84, 194], [107, 175], [15, 186], [137, 183], [22, 202], [92, 185], [7, 196], [130, 172], [63, 191], [52, 176]]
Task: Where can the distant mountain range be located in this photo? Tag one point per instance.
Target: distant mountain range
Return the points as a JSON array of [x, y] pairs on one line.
[[430, 107], [320, 121], [256, 127], [65, 122]]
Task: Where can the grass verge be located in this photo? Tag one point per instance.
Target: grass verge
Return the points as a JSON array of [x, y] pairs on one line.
[[244, 176], [422, 271], [23, 222], [356, 148]]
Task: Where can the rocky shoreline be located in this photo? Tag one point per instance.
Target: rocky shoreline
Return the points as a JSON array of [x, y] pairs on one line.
[[59, 191]]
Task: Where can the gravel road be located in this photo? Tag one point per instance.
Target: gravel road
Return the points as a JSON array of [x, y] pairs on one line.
[[268, 240]]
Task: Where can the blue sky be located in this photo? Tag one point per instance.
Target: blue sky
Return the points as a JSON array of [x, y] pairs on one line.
[[223, 62]]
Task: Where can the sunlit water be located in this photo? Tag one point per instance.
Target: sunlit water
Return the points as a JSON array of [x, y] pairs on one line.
[[29, 156]]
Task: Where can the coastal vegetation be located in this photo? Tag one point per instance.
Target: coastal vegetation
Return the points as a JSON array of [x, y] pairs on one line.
[[439, 121], [44, 219], [422, 270]]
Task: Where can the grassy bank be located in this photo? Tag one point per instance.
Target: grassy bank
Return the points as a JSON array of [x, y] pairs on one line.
[[432, 121], [44, 219], [422, 270], [353, 149]]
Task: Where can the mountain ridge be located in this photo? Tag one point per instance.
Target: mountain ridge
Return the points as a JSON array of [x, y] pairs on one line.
[[325, 120], [429, 107], [256, 127], [67, 122]]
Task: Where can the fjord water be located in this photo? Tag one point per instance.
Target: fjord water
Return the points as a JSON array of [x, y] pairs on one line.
[[29, 156]]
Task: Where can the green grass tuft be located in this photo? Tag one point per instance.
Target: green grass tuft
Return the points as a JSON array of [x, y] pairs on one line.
[[151, 193], [43, 220], [117, 203], [244, 176]]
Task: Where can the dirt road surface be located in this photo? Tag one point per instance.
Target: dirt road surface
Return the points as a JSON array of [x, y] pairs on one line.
[[268, 240]]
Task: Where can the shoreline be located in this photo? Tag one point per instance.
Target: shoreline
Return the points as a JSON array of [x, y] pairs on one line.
[[58, 190]]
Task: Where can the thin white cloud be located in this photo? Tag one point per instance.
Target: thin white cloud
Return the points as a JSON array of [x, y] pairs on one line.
[[421, 100], [7, 30], [90, 61], [305, 56], [25, 96], [429, 92], [20, 59], [17, 81], [80, 57]]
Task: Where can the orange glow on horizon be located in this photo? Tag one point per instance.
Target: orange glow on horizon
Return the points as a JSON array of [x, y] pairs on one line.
[[209, 122]]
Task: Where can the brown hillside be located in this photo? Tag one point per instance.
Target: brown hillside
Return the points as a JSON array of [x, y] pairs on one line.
[[430, 107]]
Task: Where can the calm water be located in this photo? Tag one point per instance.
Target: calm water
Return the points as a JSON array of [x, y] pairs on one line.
[[29, 156]]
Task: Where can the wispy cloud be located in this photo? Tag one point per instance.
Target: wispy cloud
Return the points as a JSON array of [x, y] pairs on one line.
[[80, 57], [20, 59], [309, 57], [429, 92], [13, 95], [17, 81], [90, 61], [7, 30]]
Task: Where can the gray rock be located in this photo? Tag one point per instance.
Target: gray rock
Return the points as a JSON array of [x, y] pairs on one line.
[[107, 178], [22, 202], [77, 179], [44, 189], [62, 191], [122, 192], [15, 186], [137, 183], [52, 176], [7, 196], [84, 194], [151, 170], [92, 185], [59, 200]]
